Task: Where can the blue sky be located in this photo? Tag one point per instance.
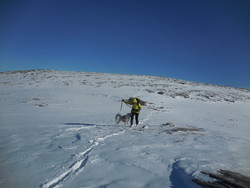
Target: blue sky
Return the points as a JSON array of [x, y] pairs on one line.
[[197, 40]]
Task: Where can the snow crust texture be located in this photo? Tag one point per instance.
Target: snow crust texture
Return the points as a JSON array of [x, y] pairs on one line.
[[58, 129]]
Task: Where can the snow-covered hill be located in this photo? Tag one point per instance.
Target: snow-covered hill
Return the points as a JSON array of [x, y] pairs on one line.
[[151, 84], [57, 130]]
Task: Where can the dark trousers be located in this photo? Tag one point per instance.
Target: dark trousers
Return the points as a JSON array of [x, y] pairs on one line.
[[136, 118]]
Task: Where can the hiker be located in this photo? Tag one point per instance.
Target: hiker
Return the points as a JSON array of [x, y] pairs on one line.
[[136, 107]]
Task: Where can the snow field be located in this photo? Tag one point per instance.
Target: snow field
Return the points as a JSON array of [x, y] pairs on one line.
[[58, 132]]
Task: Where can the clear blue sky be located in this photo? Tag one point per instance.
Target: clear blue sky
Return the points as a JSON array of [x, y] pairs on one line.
[[197, 40]]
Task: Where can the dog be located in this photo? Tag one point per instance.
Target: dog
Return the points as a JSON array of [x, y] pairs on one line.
[[125, 118]]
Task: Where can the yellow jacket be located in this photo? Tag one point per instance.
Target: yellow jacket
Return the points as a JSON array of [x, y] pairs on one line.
[[136, 106]]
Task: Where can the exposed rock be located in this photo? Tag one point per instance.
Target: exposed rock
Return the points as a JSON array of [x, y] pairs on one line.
[[184, 129], [226, 179]]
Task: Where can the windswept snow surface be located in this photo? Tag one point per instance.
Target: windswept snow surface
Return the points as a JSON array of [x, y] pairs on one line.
[[58, 130]]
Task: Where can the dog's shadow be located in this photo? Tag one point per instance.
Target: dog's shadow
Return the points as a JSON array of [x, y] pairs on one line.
[[83, 124], [89, 124]]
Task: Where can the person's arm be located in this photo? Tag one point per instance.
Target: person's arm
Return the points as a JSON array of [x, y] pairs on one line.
[[140, 107], [126, 101]]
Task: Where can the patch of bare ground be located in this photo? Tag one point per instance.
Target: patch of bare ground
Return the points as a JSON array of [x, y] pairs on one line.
[[226, 179], [184, 129]]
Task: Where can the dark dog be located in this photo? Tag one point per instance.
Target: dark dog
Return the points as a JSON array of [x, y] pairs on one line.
[[125, 118]]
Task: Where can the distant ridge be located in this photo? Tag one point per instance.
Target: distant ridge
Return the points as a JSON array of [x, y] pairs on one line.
[[168, 87], [176, 79]]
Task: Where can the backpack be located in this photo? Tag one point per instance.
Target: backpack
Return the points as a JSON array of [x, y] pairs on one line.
[[138, 100]]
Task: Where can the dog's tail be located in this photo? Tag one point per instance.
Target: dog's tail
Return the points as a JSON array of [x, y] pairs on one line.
[[117, 118]]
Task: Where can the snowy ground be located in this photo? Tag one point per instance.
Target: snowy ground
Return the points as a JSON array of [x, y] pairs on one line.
[[57, 130]]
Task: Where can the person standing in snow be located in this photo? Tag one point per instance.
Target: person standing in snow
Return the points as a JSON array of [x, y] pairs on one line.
[[136, 108]]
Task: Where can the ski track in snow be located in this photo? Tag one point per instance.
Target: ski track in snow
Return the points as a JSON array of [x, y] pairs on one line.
[[78, 165], [147, 118]]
